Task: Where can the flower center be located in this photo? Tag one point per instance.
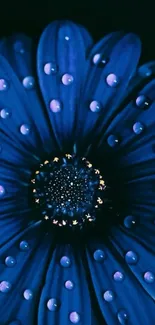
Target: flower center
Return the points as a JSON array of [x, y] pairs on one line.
[[68, 191]]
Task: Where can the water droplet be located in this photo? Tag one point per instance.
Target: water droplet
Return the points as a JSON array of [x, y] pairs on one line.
[[96, 58], [25, 129], [112, 140], [19, 47], [4, 113], [10, 261], [108, 295], [5, 286], [138, 127], [67, 38], [112, 80], [95, 106], [55, 106], [122, 317], [24, 246], [144, 71], [149, 277], [129, 222], [69, 285], [131, 257], [74, 317], [3, 85], [2, 191], [118, 276], [65, 261], [53, 304], [67, 79], [28, 294], [99, 255], [50, 68], [28, 82], [143, 102], [99, 60]]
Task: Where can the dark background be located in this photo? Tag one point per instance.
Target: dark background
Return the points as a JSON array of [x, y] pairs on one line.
[[98, 16]]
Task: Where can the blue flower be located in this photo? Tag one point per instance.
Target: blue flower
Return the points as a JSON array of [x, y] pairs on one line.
[[77, 184]]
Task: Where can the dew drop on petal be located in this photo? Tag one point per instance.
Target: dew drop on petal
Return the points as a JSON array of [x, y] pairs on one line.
[[10, 261], [95, 106], [122, 316], [118, 276], [2, 191], [138, 127], [65, 261], [96, 58], [4, 85], [74, 317], [143, 102], [112, 140], [50, 68], [67, 79], [4, 113], [149, 277], [28, 82], [55, 106], [129, 222], [25, 129], [112, 80], [53, 304], [24, 246], [28, 294], [145, 71], [19, 47], [69, 285], [99, 255], [131, 257], [108, 295], [5, 286]]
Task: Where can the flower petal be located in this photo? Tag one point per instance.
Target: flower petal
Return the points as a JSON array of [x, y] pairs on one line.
[[133, 158], [24, 260], [65, 297], [23, 122], [107, 86], [15, 210], [12, 223], [61, 70], [115, 286], [143, 246]]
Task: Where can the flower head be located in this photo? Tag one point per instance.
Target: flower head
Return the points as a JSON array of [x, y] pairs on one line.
[[76, 180]]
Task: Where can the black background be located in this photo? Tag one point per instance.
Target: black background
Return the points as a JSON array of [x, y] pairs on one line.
[[98, 16]]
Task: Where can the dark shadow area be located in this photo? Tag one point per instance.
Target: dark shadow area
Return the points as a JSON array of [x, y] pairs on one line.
[[99, 17]]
